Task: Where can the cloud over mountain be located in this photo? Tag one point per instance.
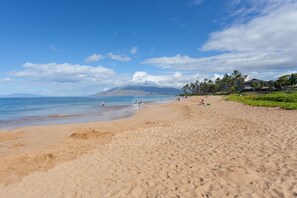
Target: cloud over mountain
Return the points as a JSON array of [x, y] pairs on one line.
[[176, 79]]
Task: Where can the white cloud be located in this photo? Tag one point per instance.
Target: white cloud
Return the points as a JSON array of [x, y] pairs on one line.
[[134, 50], [176, 62], [225, 62], [265, 42], [94, 58], [272, 32], [243, 9], [2, 80], [175, 79], [269, 75], [64, 73], [59, 79], [118, 57]]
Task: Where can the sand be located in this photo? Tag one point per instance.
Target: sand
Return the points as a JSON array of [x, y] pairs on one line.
[[170, 150]]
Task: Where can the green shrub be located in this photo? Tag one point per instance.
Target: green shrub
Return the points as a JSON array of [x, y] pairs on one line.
[[279, 99]]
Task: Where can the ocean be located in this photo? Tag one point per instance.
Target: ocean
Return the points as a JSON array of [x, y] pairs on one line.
[[17, 112]]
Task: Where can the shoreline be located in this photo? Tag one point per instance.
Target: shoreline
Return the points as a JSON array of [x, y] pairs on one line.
[[173, 149], [39, 137], [62, 119], [88, 111]]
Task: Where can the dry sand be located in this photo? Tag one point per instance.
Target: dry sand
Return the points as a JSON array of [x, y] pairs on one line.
[[169, 150]]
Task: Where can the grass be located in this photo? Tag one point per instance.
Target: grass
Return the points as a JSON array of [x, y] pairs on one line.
[[278, 99]]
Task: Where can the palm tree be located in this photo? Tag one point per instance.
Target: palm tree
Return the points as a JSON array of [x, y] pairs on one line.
[[197, 86], [192, 87], [234, 82], [237, 80], [185, 88], [218, 83], [226, 83]]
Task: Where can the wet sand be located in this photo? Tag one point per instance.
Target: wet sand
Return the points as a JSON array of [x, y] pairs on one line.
[[169, 150]]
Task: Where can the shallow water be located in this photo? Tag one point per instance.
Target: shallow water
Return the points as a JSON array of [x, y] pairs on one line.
[[16, 112]]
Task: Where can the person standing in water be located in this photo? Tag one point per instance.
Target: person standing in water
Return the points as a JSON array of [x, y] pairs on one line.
[[103, 104]]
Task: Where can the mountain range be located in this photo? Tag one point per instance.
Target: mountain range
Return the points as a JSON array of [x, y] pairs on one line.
[[139, 91], [21, 95]]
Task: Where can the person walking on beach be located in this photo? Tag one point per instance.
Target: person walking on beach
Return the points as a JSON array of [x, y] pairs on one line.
[[103, 104]]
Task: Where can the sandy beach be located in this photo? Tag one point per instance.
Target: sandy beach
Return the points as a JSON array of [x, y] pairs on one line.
[[178, 149]]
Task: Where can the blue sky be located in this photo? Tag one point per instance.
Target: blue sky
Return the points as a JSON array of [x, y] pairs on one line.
[[76, 47]]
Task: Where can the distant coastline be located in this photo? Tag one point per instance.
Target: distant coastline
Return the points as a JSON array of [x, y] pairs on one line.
[[22, 95], [139, 91]]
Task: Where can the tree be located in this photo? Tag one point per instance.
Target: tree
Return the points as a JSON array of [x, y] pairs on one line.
[[288, 80], [234, 82], [254, 85], [284, 80], [237, 81], [270, 84], [226, 83], [277, 85], [212, 88], [293, 79], [197, 86], [186, 88], [192, 88], [204, 86]]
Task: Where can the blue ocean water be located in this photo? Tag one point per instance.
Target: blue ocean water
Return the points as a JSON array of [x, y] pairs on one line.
[[16, 112]]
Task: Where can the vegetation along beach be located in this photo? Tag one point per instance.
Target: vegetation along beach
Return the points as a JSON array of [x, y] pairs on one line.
[[148, 99]]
